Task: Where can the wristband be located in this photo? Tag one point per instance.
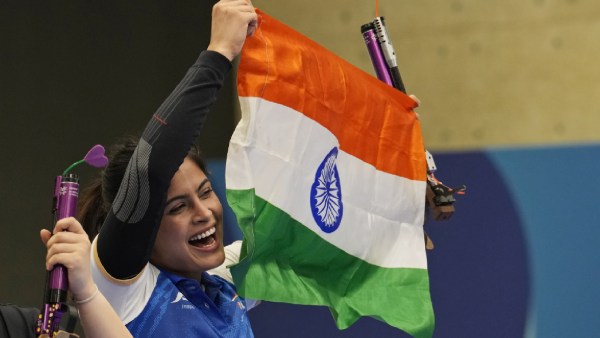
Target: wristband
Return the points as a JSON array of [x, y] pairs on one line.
[[83, 301]]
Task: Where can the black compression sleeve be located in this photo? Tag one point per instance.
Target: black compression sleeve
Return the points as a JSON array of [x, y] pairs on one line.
[[127, 236]]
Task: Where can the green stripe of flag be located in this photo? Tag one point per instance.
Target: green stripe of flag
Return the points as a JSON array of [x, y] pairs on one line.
[[286, 262]]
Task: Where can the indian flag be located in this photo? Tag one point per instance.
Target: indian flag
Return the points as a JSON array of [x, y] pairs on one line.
[[326, 174]]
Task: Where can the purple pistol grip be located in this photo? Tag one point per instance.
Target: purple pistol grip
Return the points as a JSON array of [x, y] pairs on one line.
[[377, 59], [66, 194]]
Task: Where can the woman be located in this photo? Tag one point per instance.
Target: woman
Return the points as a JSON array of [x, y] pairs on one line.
[[161, 222]]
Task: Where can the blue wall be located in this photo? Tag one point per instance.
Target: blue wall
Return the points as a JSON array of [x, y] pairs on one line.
[[518, 259]]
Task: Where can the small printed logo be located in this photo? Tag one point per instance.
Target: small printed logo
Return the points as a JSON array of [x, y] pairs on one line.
[[185, 304], [238, 301], [326, 194], [179, 298]]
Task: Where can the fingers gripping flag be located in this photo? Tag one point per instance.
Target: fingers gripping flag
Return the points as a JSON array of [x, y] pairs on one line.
[[326, 175]]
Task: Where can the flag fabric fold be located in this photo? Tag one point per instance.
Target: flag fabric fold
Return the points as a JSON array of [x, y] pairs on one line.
[[326, 175]]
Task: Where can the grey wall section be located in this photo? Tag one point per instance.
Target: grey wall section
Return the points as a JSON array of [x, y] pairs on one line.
[[73, 74], [488, 73]]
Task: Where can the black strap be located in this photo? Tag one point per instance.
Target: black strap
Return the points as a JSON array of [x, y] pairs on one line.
[[72, 320], [17, 322], [3, 324]]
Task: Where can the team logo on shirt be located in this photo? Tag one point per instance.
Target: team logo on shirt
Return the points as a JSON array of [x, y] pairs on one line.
[[179, 298], [239, 302], [186, 305]]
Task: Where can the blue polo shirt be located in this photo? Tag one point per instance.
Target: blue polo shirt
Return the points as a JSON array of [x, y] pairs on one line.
[[180, 307]]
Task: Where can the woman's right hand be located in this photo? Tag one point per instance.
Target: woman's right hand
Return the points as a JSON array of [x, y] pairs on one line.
[[232, 22]]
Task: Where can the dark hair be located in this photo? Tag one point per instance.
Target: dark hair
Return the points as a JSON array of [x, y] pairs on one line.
[[98, 197]]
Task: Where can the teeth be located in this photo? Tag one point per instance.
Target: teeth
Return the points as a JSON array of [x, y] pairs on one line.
[[204, 234]]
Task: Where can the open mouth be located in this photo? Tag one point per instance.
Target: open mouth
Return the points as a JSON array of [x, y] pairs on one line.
[[205, 239]]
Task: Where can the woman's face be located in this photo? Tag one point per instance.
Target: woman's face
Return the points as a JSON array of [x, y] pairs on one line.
[[190, 237]]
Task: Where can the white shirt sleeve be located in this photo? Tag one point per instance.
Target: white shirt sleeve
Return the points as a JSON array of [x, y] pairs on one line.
[[127, 297]]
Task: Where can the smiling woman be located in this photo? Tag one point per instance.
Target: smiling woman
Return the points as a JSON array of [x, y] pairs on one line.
[[158, 220], [190, 236]]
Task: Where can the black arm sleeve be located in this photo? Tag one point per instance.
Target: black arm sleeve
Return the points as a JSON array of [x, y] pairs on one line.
[[125, 241]]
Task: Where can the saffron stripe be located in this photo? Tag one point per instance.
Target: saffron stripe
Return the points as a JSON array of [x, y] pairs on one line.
[[363, 113]]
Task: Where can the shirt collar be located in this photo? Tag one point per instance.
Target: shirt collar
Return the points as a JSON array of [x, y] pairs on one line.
[[207, 279]]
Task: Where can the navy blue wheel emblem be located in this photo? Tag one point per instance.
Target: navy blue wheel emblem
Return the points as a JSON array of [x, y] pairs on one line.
[[326, 195]]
